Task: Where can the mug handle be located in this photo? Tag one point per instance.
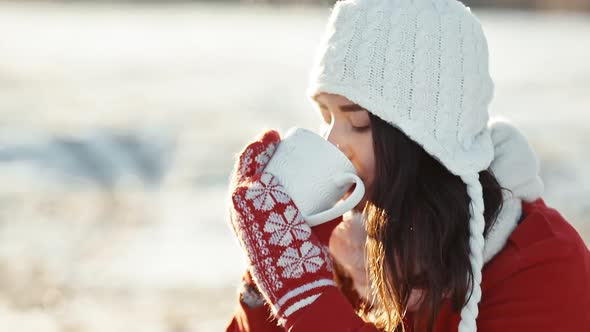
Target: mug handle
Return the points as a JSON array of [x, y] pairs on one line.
[[346, 205]]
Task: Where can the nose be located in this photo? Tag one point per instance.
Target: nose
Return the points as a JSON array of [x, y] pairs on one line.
[[339, 140]]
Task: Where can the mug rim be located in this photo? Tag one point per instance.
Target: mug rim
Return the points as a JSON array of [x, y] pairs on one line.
[[294, 130]]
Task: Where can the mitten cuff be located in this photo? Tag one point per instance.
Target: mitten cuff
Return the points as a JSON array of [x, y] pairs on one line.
[[331, 311]]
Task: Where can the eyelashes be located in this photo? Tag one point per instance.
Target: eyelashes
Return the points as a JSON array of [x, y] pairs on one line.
[[325, 127], [361, 129], [327, 122]]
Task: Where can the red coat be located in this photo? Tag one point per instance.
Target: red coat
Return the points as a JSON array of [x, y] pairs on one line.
[[540, 281]]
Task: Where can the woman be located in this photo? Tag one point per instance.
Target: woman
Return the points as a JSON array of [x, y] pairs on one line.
[[457, 236]]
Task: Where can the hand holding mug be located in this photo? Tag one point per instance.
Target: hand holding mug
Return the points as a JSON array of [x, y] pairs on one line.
[[316, 174], [288, 262]]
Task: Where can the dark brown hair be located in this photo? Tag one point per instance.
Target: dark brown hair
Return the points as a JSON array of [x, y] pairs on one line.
[[418, 229]]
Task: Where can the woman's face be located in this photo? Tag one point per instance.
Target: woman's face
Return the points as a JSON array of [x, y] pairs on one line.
[[348, 126]]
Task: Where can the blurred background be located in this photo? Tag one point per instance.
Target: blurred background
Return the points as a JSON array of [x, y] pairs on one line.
[[120, 122]]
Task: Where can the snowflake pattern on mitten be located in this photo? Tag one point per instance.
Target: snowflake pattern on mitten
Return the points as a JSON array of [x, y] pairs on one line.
[[287, 261]]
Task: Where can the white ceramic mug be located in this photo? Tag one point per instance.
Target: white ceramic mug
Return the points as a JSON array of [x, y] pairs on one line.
[[316, 174]]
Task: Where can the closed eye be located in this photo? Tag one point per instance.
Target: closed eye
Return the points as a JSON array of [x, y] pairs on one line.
[[361, 129]]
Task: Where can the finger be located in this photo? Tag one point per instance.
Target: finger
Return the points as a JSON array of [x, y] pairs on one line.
[[256, 155]]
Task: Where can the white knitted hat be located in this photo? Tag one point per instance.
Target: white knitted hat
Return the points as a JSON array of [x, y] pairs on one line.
[[422, 66]]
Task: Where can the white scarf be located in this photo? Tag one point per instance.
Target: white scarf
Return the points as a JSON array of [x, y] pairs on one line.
[[515, 167]]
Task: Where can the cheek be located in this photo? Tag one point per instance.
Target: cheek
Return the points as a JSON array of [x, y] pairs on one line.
[[369, 169], [366, 170], [366, 162]]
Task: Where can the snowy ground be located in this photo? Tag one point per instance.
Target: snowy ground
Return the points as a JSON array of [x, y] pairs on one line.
[[119, 125]]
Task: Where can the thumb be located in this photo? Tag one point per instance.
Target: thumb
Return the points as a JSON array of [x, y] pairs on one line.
[[256, 155]]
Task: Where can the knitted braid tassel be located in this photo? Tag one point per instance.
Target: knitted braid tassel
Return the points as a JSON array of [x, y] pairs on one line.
[[476, 244]]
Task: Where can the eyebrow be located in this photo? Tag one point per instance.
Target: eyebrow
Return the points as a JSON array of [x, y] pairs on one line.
[[347, 108]]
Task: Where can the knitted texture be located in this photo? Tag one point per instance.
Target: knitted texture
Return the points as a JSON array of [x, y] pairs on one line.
[[287, 261], [422, 66], [515, 164], [516, 168], [476, 245]]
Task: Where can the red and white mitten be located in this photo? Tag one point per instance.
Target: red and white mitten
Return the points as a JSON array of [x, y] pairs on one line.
[[287, 261]]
